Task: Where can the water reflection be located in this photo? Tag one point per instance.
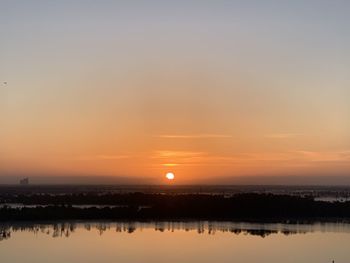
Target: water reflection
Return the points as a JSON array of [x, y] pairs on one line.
[[65, 229]]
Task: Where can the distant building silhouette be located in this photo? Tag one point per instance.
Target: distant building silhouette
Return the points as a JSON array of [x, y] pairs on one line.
[[24, 181]]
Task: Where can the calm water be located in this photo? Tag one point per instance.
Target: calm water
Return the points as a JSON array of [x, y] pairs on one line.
[[176, 242]]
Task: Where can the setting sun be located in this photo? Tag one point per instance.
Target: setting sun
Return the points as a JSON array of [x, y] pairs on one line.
[[170, 176]]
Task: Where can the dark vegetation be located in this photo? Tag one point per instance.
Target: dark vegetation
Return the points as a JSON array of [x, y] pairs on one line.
[[141, 206]]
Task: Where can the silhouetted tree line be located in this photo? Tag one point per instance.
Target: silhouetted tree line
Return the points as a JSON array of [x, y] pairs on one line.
[[140, 206]]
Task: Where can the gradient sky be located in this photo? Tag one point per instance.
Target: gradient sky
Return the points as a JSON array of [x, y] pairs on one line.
[[201, 88]]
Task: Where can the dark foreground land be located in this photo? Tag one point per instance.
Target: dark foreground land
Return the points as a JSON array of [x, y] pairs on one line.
[[150, 206]]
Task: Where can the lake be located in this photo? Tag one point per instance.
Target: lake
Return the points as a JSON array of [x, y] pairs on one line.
[[174, 242]]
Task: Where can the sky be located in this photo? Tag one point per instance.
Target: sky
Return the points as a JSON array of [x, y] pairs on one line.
[[203, 89]]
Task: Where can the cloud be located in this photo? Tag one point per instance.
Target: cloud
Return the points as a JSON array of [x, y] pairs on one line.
[[190, 158], [170, 158], [170, 164], [282, 135], [104, 157], [176, 154], [193, 136], [330, 156]]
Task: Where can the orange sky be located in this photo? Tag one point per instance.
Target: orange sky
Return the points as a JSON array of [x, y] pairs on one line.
[[138, 95]]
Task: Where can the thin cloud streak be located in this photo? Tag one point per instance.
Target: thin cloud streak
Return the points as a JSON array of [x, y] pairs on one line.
[[194, 136], [104, 157], [188, 158], [170, 164], [282, 135], [334, 156], [176, 154]]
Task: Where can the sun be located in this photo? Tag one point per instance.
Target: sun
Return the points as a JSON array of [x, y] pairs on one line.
[[170, 176]]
